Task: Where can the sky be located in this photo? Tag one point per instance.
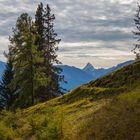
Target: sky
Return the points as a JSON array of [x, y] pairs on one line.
[[95, 31]]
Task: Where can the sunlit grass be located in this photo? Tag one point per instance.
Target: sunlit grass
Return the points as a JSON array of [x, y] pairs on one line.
[[91, 111]]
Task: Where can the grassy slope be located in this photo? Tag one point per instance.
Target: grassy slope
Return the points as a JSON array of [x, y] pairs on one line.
[[105, 109]]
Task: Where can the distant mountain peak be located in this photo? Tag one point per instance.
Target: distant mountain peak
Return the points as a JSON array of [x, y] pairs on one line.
[[96, 73], [88, 67]]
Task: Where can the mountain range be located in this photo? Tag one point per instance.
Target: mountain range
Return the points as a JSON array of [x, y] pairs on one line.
[[96, 73], [75, 76]]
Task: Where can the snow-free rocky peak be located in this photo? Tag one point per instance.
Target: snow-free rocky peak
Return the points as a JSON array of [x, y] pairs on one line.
[[88, 67]]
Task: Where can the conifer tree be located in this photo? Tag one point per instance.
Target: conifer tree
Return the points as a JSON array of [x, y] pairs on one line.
[[7, 96], [48, 42], [39, 23], [136, 49], [28, 76]]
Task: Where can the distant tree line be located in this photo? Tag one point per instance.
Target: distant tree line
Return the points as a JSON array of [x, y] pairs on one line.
[[31, 75]]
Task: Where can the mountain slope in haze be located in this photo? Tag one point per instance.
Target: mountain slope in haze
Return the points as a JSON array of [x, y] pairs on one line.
[[104, 109], [2, 68], [74, 77]]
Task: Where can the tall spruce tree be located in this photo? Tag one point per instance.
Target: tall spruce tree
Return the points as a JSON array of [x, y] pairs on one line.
[[39, 23], [136, 49], [28, 75], [7, 95], [48, 43]]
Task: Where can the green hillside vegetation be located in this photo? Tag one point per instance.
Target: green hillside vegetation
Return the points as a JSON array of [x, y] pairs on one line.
[[105, 109]]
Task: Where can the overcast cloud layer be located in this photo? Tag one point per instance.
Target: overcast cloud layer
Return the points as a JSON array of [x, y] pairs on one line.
[[96, 31]]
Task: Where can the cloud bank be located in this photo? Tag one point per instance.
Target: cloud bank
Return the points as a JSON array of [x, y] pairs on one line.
[[93, 31]]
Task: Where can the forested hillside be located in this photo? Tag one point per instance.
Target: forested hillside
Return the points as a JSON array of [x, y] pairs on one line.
[[102, 109]]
